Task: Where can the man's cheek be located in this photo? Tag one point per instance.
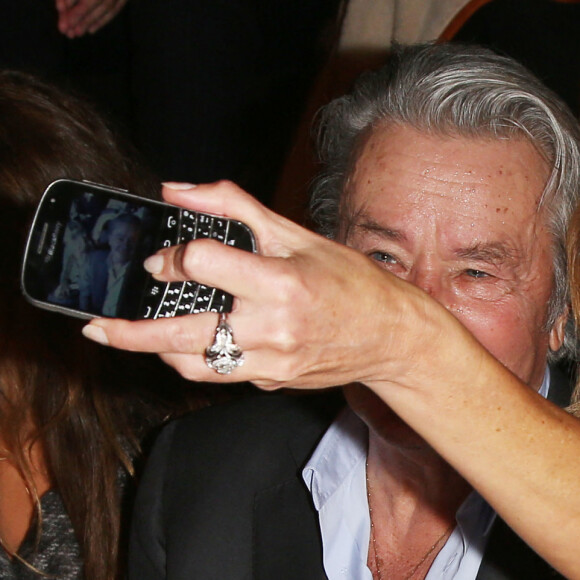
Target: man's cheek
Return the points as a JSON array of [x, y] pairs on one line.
[[500, 331]]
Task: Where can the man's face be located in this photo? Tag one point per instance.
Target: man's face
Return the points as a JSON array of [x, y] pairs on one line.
[[459, 218], [123, 241]]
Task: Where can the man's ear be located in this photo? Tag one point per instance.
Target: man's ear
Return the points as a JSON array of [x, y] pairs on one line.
[[556, 338]]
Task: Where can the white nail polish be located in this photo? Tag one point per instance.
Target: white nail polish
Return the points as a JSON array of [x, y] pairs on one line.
[[153, 264], [95, 333], [179, 186]]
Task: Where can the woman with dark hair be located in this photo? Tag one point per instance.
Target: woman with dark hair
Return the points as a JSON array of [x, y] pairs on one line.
[[71, 414]]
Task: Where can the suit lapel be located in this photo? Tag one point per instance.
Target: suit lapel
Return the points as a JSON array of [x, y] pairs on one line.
[[507, 557], [286, 542], [561, 386]]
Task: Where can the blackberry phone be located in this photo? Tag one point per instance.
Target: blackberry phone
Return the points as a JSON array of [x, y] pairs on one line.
[[85, 251]]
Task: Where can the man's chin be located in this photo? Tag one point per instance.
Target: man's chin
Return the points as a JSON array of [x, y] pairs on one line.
[[381, 420]]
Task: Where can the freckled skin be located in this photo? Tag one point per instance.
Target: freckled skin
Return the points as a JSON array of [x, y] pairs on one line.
[[458, 217]]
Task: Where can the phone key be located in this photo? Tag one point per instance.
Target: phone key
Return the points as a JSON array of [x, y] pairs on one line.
[[203, 299], [220, 229], [153, 295], [204, 225], [186, 236], [187, 298], [238, 236], [172, 226], [189, 217], [156, 288], [188, 230], [172, 297], [181, 298]]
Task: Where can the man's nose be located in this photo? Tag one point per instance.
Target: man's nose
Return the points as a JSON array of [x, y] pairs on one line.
[[430, 281]]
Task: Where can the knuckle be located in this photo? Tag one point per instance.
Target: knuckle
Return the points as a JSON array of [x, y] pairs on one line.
[[226, 184], [180, 339], [226, 188], [189, 257], [188, 372], [288, 285], [291, 324], [286, 340], [269, 385], [285, 372], [231, 190]]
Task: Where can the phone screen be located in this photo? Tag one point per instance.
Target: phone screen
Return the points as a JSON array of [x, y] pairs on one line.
[[86, 250]]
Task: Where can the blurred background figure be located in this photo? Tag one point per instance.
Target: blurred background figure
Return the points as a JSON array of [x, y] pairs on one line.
[[82, 45], [207, 89]]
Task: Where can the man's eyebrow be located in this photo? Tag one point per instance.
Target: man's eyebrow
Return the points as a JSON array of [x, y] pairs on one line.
[[490, 252], [370, 226]]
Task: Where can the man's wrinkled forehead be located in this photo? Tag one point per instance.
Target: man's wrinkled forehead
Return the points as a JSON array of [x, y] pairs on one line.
[[349, 212]]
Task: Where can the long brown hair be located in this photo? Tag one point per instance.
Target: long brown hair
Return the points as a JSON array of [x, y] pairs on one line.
[[55, 387]]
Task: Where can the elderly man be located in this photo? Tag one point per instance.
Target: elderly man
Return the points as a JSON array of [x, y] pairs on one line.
[[450, 178], [105, 272]]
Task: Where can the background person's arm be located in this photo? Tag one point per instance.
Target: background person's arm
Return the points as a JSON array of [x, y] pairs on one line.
[[77, 17]]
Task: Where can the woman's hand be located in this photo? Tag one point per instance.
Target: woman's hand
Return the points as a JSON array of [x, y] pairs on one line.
[[308, 312], [77, 17]]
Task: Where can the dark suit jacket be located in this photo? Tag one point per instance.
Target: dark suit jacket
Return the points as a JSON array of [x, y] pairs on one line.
[[223, 498], [93, 290], [93, 287]]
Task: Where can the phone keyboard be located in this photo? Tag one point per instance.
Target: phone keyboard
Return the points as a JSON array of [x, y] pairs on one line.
[[169, 299]]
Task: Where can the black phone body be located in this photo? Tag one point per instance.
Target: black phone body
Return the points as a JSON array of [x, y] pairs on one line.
[[85, 251]]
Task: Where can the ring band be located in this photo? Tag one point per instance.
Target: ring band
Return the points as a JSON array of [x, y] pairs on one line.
[[224, 355]]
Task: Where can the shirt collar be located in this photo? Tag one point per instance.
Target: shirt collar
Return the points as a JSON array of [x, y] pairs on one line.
[[344, 445], [545, 386]]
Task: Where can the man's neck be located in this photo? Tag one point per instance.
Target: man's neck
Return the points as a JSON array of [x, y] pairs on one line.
[[413, 483], [413, 497]]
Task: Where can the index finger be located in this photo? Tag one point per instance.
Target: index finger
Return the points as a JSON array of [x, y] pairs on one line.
[[224, 198]]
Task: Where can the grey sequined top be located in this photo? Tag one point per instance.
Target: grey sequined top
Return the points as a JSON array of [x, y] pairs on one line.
[[57, 554]]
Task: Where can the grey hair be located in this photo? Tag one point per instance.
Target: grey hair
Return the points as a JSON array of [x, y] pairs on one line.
[[457, 90]]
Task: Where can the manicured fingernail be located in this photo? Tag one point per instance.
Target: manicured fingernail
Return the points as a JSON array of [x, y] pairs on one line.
[[179, 186], [95, 333], [153, 264]]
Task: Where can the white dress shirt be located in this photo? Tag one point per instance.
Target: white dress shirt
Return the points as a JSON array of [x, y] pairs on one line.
[[336, 478]]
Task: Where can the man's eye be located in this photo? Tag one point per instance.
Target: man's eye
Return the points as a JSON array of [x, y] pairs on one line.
[[476, 273], [383, 257]]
